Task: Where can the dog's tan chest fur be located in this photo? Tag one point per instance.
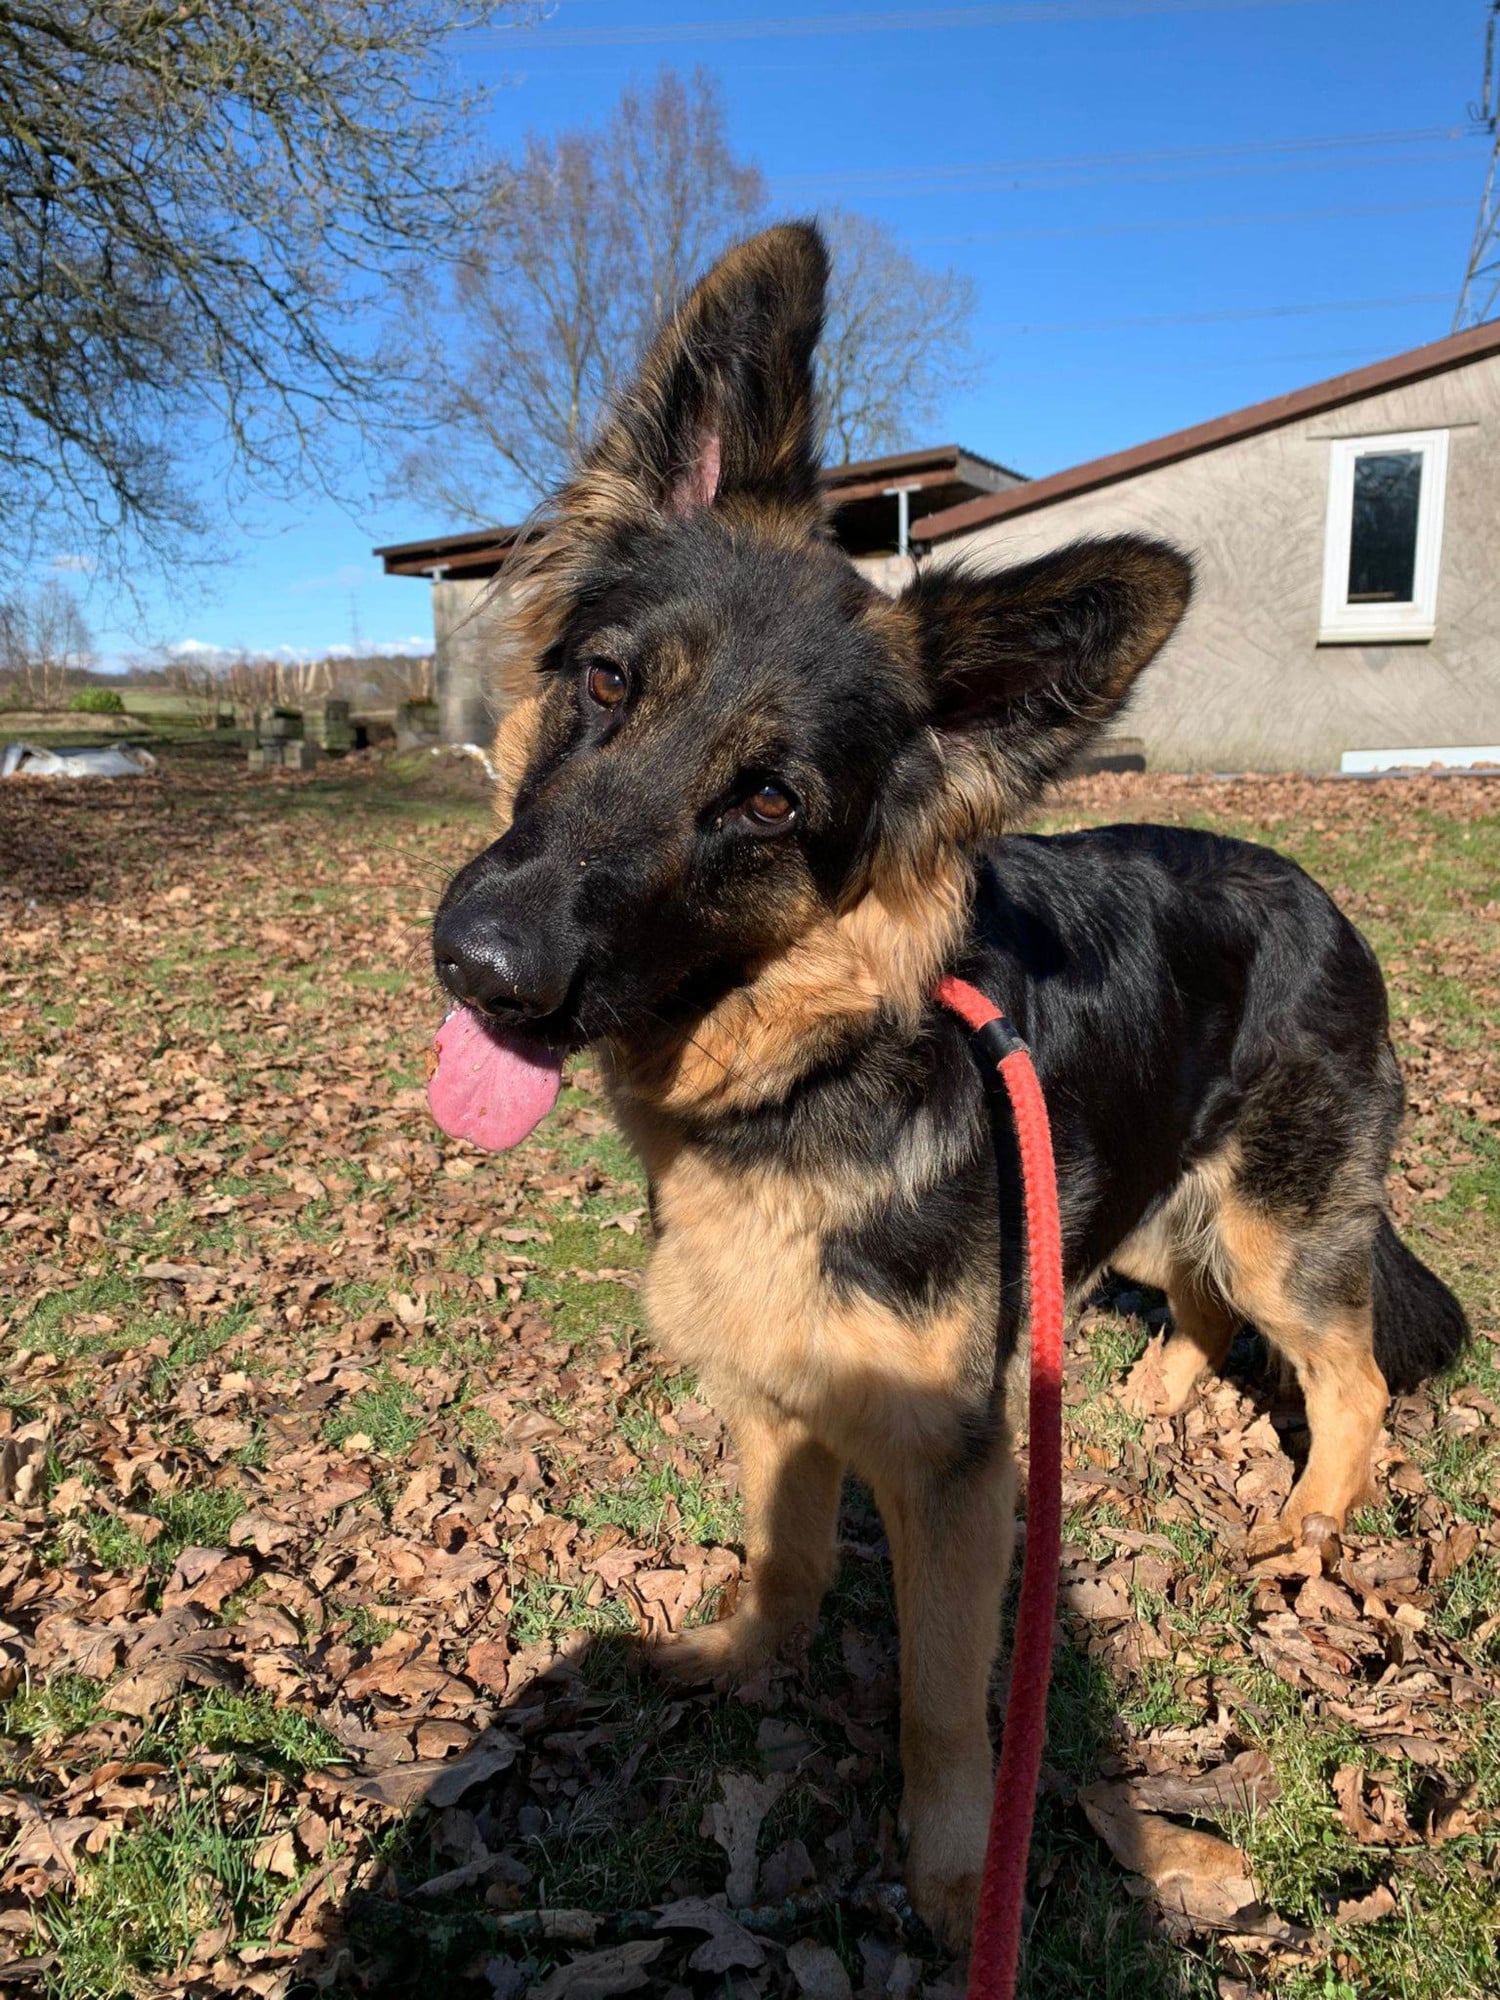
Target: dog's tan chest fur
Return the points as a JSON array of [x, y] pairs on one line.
[[736, 1291]]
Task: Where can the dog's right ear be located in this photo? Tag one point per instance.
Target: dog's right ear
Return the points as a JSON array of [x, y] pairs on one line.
[[1020, 668], [723, 404]]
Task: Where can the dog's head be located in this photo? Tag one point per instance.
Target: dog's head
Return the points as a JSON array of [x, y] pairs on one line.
[[739, 757]]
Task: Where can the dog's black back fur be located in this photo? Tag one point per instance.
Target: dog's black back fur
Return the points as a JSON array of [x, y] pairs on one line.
[[1177, 989]]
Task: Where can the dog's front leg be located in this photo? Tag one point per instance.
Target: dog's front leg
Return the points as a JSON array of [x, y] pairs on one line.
[[790, 1485], [950, 1533]]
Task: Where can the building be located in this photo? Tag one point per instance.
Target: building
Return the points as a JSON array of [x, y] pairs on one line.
[[876, 506], [1347, 539]]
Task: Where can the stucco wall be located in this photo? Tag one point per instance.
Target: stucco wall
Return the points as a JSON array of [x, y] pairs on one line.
[[467, 614], [1245, 685]]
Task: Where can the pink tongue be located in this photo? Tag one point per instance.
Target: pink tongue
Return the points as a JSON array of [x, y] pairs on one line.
[[487, 1087]]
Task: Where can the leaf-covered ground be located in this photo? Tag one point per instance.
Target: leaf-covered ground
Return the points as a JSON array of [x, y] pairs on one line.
[[337, 1479]]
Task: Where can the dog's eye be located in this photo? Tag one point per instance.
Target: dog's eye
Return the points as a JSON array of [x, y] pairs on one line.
[[607, 684], [770, 808]]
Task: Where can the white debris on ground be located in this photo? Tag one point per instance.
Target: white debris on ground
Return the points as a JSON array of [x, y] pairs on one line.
[[25, 760], [474, 750]]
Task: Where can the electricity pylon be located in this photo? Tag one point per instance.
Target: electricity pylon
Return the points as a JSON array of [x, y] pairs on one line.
[[1480, 298]]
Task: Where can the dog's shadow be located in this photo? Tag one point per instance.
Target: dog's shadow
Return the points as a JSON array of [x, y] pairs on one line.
[[606, 1813]]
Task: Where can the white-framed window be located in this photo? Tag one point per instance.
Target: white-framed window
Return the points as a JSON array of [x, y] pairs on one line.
[[1384, 538]]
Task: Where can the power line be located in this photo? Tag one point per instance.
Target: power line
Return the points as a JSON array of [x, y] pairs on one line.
[[1480, 294], [1215, 318], [904, 20], [1143, 177], [1279, 219], [1190, 159], [1132, 365]]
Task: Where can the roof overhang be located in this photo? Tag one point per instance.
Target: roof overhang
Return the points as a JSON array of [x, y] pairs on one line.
[[480, 552], [946, 475]]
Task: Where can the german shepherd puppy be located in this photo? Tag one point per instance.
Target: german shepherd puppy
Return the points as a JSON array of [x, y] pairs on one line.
[[750, 811]]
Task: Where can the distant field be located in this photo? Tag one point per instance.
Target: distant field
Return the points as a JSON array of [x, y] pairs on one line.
[[159, 704], [148, 712]]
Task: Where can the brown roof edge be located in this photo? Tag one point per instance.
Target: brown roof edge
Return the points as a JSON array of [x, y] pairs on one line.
[[416, 558], [870, 474], [934, 457], [1412, 366]]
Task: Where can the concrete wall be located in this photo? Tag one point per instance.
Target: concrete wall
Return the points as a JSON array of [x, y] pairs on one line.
[[1245, 685], [467, 616]]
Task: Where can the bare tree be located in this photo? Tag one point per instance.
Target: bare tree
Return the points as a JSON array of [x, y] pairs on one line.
[[204, 205], [212, 679], [203, 684], [43, 638], [896, 343], [592, 239]]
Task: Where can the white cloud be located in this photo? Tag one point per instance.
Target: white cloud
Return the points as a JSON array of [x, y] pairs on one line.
[[208, 654], [76, 565]]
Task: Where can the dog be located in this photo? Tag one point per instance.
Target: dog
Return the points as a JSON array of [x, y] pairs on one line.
[[750, 810]]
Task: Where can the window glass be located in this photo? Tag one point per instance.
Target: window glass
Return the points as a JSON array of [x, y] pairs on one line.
[[1383, 533]]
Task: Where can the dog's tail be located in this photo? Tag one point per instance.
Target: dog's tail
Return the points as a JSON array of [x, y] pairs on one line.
[[1419, 1326]]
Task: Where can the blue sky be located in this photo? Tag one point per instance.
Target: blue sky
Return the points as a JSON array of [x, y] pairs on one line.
[[1170, 208]]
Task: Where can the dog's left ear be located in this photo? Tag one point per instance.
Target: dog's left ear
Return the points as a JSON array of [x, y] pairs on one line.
[[724, 401], [1024, 667]]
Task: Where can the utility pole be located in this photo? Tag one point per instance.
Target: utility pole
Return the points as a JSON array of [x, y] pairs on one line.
[[1480, 298]]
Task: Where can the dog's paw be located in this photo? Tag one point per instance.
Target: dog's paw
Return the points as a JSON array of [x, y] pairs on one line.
[[946, 1827], [946, 1904], [1313, 1514], [732, 1650], [1165, 1379]]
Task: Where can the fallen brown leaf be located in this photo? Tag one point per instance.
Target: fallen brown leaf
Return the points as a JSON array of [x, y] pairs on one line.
[[622, 1968], [1192, 1874], [1366, 1909], [728, 1945], [734, 1821]]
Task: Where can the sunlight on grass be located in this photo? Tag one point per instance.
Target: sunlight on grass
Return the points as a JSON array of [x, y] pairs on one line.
[[251, 1723], [157, 1887], [541, 1609], [387, 1413], [661, 1502], [57, 1706]]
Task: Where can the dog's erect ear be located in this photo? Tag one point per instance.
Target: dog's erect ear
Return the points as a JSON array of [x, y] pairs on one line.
[[1025, 666], [723, 403]]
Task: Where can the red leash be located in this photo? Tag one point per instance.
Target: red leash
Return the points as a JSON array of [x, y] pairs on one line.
[[997, 1927]]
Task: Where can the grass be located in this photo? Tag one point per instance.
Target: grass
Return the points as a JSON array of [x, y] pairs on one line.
[[253, 1726], [162, 1882], [659, 1501], [55, 1708], [159, 1887], [386, 1416]]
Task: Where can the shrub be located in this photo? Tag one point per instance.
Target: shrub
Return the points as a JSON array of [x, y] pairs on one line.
[[97, 701]]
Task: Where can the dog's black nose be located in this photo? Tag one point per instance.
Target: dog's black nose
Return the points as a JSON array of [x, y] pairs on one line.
[[485, 967]]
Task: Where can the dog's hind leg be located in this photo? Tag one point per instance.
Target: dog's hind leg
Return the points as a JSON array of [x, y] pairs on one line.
[[1165, 1379], [950, 1534], [1302, 1289], [791, 1487], [1346, 1399]]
